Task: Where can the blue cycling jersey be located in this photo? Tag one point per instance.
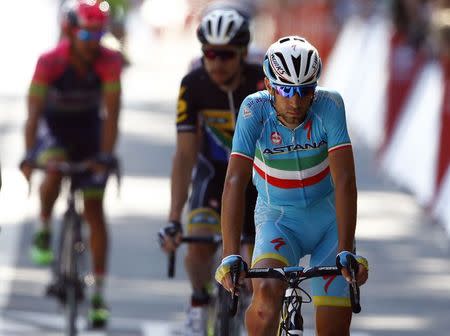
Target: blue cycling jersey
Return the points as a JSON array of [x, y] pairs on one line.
[[290, 167]]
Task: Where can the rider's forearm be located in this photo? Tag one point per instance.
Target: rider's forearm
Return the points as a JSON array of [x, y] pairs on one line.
[[109, 135], [233, 200], [346, 203], [30, 134], [180, 181], [35, 105], [110, 128]]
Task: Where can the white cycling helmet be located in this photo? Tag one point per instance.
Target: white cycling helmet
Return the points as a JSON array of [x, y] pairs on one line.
[[292, 61], [222, 27]]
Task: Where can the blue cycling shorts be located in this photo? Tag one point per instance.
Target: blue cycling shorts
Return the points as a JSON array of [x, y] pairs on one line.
[[288, 233]]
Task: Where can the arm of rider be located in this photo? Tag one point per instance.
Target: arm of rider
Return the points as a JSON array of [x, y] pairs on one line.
[[35, 106], [110, 128], [183, 163], [342, 169], [233, 199]]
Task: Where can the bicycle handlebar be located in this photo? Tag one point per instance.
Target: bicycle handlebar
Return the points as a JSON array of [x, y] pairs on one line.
[[301, 273], [72, 168], [63, 167]]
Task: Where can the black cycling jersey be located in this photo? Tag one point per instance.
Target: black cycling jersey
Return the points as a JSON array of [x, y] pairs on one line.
[[205, 109]]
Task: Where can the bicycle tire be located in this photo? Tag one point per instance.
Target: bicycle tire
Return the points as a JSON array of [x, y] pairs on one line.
[[71, 310], [68, 269]]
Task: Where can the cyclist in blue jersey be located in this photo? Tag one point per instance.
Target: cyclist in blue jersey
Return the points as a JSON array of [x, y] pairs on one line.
[[294, 137], [73, 109]]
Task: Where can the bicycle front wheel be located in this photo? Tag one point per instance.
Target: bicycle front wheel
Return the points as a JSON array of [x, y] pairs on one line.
[[71, 310], [225, 325], [69, 271]]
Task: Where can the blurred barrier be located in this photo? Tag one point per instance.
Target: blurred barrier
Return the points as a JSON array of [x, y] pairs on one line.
[[408, 122], [313, 20]]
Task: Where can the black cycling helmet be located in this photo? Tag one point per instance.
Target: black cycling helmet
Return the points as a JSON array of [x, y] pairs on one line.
[[224, 27]]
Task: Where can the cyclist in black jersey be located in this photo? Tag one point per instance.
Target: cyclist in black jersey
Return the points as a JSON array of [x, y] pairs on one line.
[[208, 103]]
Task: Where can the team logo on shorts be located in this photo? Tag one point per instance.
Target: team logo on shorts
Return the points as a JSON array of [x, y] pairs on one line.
[[275, 137], [278, 243], [329, 279]]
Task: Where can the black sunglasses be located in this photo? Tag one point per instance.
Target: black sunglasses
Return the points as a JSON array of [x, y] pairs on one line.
[[223, 55]]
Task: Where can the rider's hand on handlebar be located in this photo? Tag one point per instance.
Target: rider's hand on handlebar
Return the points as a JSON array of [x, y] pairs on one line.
[[363, 270], [25, 167], [170, 236], [223, 274], [103, 162]]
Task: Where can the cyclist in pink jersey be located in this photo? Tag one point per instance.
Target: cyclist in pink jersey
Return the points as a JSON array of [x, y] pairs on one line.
[[73, 108]]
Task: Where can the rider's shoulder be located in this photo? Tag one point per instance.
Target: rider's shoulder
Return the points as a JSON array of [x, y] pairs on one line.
[[109, 56], [329, 98], [258, 103], [196, 77], [109, 64], [57, 55]]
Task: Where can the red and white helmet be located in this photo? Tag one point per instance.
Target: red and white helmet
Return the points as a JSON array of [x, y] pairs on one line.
[[292, 60], [90, 13]]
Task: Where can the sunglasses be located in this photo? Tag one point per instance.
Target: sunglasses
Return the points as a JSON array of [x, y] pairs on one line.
[[224, 55], [87, 35], [290, 91]]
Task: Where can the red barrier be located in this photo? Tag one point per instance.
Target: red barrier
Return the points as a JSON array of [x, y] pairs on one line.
[[444, 140], [405, 64], [313, 20]]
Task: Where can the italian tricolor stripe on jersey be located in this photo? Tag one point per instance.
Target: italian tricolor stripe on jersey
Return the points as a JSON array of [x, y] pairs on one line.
[[287, 173]]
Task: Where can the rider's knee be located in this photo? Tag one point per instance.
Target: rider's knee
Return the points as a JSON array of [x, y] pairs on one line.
[[203, 221], [199, 253], [267, 295]]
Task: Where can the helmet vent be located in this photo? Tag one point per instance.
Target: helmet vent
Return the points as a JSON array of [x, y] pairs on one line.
[[209, 27], [308, 62], [219, 24], [283, 61], [284, 40], [229, 29], [297, 61]]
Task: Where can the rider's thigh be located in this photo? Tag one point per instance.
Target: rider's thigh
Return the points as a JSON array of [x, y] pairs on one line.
[[333, 321]]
